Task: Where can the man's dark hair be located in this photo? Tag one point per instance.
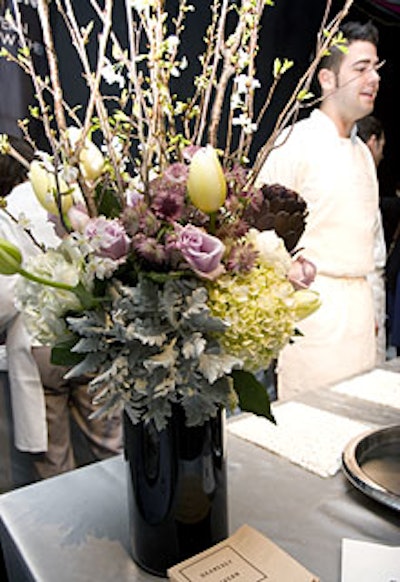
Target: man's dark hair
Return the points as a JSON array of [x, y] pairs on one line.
[[351, 31], [12, 172], [368, 126]]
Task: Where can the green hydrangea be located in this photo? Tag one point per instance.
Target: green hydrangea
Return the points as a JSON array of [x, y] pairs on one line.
[[259, 309]]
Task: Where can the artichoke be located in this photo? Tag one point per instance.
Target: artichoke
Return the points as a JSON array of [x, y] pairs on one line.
[[280, 209]]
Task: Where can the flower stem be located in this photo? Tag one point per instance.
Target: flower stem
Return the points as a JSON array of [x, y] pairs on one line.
[[85, 297], [48, 282], [213, 216]]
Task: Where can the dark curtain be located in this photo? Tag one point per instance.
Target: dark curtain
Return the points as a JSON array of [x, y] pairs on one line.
[[17, 92]]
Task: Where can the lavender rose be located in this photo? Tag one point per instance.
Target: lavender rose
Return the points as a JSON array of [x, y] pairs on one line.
[[201, 251], [301, 273], [108, 237]]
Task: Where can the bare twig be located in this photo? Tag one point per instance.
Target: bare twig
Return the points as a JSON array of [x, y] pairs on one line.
[[213, 74], [144, 114], [43, 12]]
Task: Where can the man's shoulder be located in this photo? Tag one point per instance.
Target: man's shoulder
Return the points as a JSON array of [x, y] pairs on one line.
[[21, 193], [23, 199], [299, 130]]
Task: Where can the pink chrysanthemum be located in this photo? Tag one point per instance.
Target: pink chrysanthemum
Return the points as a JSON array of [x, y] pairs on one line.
[[241, 258], [139, 218], [168, 199], [149, 249], [177, 173]]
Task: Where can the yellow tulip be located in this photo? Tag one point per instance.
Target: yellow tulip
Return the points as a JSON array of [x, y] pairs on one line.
[[91, 160], [305, 303], [206, 182], [46, 189]]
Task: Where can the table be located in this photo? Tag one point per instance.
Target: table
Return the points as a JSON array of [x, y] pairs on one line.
[[74, 528]]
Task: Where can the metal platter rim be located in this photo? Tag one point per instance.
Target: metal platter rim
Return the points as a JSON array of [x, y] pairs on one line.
[[354, 472]]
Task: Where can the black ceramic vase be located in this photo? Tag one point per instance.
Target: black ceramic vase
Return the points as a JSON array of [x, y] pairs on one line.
[[177, 489]]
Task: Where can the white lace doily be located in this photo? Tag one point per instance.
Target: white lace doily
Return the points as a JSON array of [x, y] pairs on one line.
[[307, 436], [379, 386]]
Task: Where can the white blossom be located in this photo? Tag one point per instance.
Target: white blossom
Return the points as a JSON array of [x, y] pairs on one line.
[[245, 122], [245, 83], [111, 76]]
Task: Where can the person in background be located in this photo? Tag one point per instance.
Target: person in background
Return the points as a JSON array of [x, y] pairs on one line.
[[371, 131], [28, 407], [324, 160], [392, 272], [46, 409]]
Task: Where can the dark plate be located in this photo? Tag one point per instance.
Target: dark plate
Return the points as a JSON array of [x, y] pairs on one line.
[[371, 462]]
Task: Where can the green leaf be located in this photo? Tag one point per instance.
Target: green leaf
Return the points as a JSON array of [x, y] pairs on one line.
[[87, 299], [304, 94], [108, 204], [61, 354], [158, 277], [252, 394]]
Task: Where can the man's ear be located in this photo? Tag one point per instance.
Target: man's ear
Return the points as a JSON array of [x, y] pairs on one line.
[[327, 80], [372, 141]]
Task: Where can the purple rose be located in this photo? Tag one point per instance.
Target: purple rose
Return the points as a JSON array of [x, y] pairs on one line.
[[301, 273], [201, 251], [108, 237]]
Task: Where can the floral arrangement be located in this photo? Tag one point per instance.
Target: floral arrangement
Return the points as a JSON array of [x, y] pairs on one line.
[[170, 283]]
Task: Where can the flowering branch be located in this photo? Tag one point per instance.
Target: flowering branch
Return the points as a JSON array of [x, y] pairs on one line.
[[43, 11], [143, 117]]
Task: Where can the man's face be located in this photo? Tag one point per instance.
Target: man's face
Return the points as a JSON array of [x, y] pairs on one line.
[[357, 82], [377, 145]]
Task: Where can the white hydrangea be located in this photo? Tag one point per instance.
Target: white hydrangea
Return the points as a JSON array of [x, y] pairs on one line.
[[43, 306]]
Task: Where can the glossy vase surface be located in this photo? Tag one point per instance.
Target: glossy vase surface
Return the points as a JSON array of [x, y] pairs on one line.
[[177, 489]]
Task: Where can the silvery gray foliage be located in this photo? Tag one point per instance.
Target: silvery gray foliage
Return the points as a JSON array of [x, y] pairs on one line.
[[153, 347]]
